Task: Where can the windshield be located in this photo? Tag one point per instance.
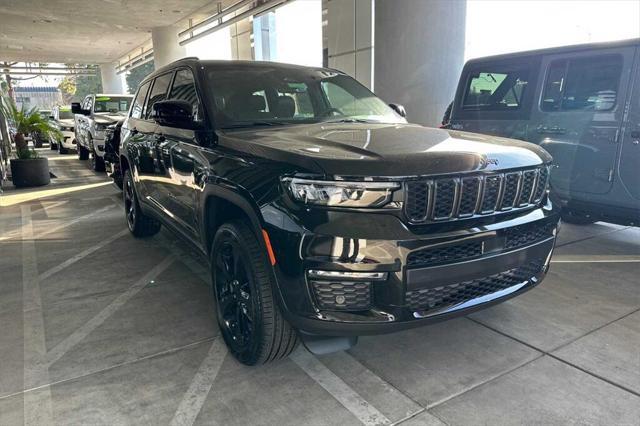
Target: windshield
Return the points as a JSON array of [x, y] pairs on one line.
[[112, 104], [270, 95], [64, 115]]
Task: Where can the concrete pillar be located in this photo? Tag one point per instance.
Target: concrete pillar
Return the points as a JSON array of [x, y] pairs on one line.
[[349, 38], [241, 33], [111, 81], [165, 45], [419, 54]]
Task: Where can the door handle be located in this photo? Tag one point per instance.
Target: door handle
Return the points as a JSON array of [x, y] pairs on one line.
[[553, 130]]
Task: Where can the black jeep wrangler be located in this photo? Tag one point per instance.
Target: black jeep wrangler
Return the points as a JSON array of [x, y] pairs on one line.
[[325, 215]]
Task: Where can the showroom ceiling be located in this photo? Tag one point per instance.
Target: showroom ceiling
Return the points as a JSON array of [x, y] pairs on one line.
[[85, 31]]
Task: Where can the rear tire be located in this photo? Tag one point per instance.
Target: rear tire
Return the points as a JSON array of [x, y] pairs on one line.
[[246, 306], [140, 225], [97, 163], [577, 218]]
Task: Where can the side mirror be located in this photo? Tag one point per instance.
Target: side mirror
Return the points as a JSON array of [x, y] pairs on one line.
[[173, 113], [77, 109], [399, 109]]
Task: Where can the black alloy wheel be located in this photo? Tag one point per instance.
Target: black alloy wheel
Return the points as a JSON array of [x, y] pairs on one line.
[[248, 314], [236, 307], [139, 224]]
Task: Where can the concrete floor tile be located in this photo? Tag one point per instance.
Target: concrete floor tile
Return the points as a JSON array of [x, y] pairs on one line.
[[384, 397], [143, 392], [277, 394], [544, 392], [570, 233], [623, 242], [173, 311], [423, 419], [613, 352], [57, 247], [433, 363], [572, 301], [86, 287], [12, 410], [11, 351]]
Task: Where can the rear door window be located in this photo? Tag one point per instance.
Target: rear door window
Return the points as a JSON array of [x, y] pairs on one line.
[[158, 92], [582, 84], [496, 89], [137, 108], [184, 89]]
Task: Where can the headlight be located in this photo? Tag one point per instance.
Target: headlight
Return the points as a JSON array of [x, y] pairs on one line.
[[341, 194]]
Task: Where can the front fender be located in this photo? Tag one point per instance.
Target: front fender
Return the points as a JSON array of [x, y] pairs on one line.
[[235, 195]]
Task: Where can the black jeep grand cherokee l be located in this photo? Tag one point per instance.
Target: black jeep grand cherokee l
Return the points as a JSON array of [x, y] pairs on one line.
[[324, 214]]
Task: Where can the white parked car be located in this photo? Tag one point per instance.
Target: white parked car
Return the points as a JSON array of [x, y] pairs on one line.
[[92, 117], [63, 120]]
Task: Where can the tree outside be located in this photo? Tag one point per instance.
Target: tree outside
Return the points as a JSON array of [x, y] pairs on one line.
[[137, 74], [75, 87]]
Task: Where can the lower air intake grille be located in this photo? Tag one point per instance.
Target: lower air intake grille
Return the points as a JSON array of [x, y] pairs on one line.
[[439, 255], [350, 296], [454, 294], [521, 237]]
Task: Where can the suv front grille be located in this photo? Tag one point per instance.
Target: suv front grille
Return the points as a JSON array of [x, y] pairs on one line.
[[455, 294], [450, 198]]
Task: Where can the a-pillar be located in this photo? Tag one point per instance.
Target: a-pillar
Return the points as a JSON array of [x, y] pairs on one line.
[[166, 48], [111, 81], [419, 54]]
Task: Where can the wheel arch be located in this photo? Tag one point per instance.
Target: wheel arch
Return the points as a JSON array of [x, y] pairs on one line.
[[219, 205]]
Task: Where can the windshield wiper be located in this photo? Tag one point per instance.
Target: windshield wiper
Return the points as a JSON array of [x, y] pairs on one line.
[[350, 120], [253, 124]]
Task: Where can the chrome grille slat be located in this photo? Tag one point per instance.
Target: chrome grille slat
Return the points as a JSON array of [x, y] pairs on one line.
[[451, 198]]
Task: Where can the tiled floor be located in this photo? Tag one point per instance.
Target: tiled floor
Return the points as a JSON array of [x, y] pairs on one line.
[[99, 328]]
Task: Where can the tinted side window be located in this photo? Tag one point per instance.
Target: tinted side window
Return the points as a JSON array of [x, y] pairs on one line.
[[584, 84], [138, 102], [496, 90], [184, 89], [158, 92]]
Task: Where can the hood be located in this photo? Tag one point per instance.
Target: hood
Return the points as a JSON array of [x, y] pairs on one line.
[[67, 122], [354, 149], [105, 118]]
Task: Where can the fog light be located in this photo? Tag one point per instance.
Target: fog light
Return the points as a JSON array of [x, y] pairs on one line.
[[347, 275]]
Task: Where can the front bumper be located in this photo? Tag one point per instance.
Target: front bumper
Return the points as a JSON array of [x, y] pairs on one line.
[[68, 140], [427, 279], [98, 144]]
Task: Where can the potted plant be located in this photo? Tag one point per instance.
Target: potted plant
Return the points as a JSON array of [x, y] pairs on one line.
[[27, 168]]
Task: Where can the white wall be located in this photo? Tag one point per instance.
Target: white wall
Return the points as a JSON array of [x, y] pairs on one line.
[[299, 33], [213, 46]]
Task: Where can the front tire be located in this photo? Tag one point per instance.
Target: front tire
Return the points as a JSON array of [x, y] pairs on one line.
[[140, 225], [97, 162], [83, 153], [244, 289]]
